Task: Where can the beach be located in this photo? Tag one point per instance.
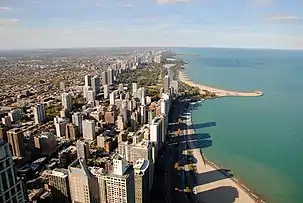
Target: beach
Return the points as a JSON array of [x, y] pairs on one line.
[[215, 184], [219, 92]]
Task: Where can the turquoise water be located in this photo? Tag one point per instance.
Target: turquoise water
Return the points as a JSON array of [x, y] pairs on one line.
[[260, 139]]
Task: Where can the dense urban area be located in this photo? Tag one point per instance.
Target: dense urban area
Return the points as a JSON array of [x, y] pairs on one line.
[[91, 126]]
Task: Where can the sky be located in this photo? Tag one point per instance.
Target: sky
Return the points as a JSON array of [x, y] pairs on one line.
[[34, 24]]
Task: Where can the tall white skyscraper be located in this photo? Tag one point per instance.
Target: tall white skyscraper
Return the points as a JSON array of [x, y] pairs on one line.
[[175, 85], [112, 98], [105, 91], [77, 119], [39, 113], [89, 132], [156, 131], [134, 88], [60, 127], [110, 76], [11, 188], [66, 101]]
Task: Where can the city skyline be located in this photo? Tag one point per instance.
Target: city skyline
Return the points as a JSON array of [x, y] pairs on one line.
[[274, 24]]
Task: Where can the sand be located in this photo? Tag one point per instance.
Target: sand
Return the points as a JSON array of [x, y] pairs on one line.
[[219, 92]]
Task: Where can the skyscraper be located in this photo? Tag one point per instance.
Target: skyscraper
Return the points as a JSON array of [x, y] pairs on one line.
[[112, 98], [175, 85], [66, 101], [11, 187], [77, 119], [82, 149], [91, 95], [104, 78], [58, 182], [143, 114], [60, 125], [156, 131], [88, 79], [6, 120], [89, 132], [141, 168], [3, 132], [83, 184], [39, 113], [120, 183], [110, 76], [95, 83], [16, 141], [105, 91], [71, 132], [134, 88], [15, 114], [166, 83]]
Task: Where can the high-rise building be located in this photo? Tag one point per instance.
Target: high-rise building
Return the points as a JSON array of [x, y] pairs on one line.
[[141, 168], [66, 101], [120, 183], [82, 149], [110, 76], [88, 127], [39, 113], [60, 125], [166, 83], [71, 131], [62, 86], [45, 143], [88, 80], [120, 87], [15, 115], [90, 95], [11, 188], [151, 116], [95, 83], [83, 184], [143, 114], [106, 91], [175, 85], [16, 141], [77, 119], [6, 120], [58, 182], [134, 88], [156, 131], [3, 132], [112, 98], [104, 78]]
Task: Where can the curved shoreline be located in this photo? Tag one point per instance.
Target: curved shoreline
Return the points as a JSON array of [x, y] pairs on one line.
[[241, 187], [219, 92]]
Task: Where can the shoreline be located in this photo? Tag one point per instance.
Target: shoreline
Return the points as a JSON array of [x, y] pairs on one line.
[[182, 76], [213, 166]]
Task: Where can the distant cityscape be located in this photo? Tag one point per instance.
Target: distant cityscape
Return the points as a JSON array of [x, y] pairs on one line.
[[86, 128]]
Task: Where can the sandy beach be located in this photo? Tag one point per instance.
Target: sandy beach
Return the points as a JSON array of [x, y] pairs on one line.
[[219, 92], [214, 184]]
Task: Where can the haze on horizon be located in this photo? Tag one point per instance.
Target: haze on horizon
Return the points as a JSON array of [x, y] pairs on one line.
[[35, 24]]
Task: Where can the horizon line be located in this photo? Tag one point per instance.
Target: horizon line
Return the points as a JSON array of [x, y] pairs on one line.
[[153, 46]]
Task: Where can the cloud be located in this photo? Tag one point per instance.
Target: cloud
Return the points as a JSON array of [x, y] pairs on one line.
[[4, 9], [9, 22], [128, 6], [282, 17], [171, 1]]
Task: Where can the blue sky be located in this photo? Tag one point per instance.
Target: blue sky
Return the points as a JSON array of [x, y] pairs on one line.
[[27, 24]]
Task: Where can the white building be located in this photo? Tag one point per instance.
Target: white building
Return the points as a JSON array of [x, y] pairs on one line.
[[112, 98], [39, 113], [91, 95], [88, 79], [134, 88], [156, 132], [11, 188], [175, 85], [66, 101], [166, 83], [105, 91], [60, 125], [95, 83], [110, 76], [88, 127]]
